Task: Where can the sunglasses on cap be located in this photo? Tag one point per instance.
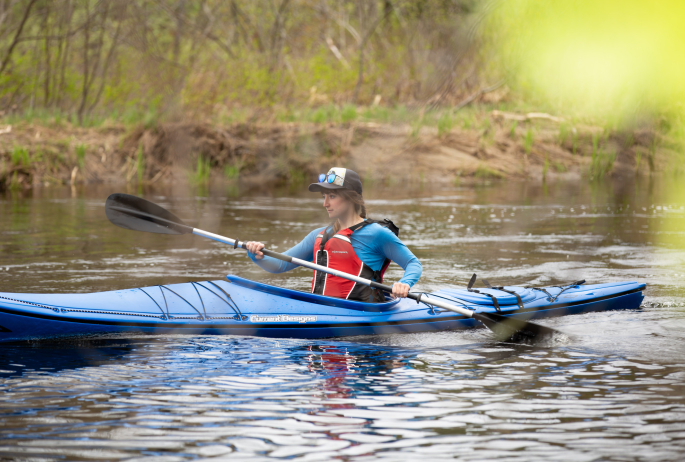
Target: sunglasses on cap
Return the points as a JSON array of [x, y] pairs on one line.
[[330, 178]]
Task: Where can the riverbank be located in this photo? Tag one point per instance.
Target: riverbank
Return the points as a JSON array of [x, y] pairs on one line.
[[438, 148]]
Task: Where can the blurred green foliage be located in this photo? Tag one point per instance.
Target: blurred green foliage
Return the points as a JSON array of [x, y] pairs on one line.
[[445, 123], [202, 172], [80, 156], [136, 61], [619, 60], [140, 164], [528, 140], [20, 157]]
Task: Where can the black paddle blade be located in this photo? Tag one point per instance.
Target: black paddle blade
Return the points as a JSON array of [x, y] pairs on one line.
[[471, 282], [509, 329], [132, 212]]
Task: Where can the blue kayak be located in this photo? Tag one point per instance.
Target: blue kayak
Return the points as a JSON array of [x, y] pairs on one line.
[[238, 306]]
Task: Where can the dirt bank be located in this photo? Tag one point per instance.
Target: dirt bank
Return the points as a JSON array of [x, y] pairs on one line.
[[502, 146]]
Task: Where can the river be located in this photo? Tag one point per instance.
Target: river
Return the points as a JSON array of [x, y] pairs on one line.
[[613, 390]]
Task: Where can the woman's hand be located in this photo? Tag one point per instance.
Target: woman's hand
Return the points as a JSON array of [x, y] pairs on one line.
[[400, 290], [255, 248]]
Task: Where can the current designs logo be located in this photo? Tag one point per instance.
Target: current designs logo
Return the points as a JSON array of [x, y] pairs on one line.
[[282, 318]]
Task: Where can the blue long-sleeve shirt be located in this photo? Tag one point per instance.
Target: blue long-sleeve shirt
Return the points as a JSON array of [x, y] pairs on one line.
[[372, 244]]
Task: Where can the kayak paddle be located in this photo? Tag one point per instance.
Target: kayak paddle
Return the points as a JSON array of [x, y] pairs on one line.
[[135, 213]]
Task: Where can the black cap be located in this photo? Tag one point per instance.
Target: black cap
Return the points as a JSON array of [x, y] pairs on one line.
[[343, 178]]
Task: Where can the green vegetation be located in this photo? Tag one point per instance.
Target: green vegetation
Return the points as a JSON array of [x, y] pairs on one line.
[[601, 165], [348, 113], [528, 141], [579, 62], [559, 167], [512, 130], [14, 182], [202, 171], [80, 156], [140, 164], [19, 157], [595, 144], [445, 123], [485, 172], [232, 171], [416, 126], [141, 63], [138, 62]]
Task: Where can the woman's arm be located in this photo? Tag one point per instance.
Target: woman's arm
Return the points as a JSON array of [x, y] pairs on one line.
[[304, 251], [393, 248]]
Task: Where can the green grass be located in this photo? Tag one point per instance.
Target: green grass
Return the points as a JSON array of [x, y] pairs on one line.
[[148, 117], [601, 164], [559, 167], [14, 182], [638, 159], [45, 117], [485, 172], [416, 128], [232, 171], [512, 129], [377, 114], [19, 157], [332, 113], [528, 141], [81, 156], [202, 171], [445, 123], [567, 131], [323, 114], [140, 164], [595, 144], [348, 113]]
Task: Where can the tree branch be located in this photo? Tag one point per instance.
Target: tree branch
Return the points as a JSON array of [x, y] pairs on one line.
[[16, 36], [482, 91], [362, 45]]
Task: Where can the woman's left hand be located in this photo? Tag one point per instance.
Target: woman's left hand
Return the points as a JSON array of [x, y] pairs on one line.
[[400, 290]]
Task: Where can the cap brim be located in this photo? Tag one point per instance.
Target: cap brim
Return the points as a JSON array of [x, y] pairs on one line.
[[318, 187]]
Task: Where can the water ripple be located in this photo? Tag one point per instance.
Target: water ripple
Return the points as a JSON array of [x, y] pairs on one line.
[[194, 398]]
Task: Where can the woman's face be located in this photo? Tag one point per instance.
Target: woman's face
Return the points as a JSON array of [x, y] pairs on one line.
[[336, 205]]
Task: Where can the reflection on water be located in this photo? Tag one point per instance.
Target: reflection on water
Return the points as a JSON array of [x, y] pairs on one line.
[[613, 391], [18, 359], [210, 396]]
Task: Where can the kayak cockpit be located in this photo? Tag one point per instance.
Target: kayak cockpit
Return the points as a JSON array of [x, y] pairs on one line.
[[312, 298]]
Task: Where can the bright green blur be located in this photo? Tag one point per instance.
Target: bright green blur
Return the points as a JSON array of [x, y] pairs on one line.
[[613, 62], [615, 59]]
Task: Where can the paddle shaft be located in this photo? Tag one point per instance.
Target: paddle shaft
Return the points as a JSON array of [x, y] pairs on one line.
[[367, 282]]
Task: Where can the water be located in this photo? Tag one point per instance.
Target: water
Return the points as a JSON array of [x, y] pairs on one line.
[[614, 390]]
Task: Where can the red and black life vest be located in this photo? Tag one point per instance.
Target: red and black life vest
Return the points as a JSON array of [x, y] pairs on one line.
[[335, 251]]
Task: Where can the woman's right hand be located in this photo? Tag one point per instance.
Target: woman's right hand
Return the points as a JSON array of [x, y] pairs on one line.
[[255, 248]]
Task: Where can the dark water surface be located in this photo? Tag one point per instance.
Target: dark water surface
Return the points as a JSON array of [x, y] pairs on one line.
[[615, 390]]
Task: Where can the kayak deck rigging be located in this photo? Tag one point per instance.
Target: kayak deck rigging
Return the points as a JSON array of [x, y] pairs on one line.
[[165, 314], [238, 306]]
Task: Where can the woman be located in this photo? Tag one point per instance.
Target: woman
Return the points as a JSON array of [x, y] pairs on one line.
[[352, 244]]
